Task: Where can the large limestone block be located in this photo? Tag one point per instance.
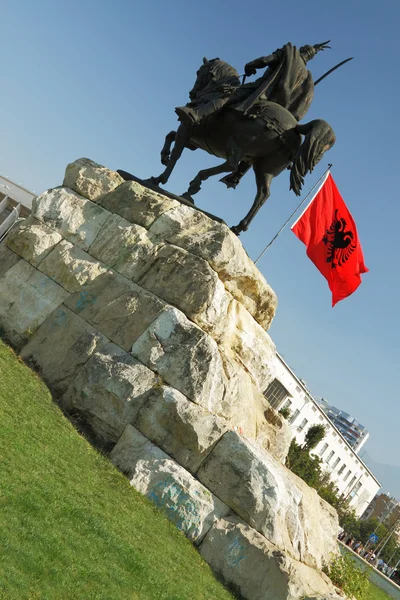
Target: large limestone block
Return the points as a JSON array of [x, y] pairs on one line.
[[273, 431], [90, 179], [27, 298], [127, 248], [270, 498], [184, 500], [76, 219], [109, 391], [61, 346], [184, 356], [256, 568], [192, 230], [137, 204], [181, 428], [7, 259], [71, 267], [238, 405], [245, 340], [189, 283], [32, 240], [117, 307]]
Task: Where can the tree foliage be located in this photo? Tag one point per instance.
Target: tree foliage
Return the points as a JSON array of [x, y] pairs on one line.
[[314, 436], [308, 467], [285, 412]]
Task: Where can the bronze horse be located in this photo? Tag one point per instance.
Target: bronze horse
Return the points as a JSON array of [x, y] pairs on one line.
[[270, 141]]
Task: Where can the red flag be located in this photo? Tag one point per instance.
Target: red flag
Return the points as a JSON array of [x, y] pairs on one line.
[[328, 230]]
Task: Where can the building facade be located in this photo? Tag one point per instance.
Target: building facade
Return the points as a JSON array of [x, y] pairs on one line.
[[384, 508], [15, 203], [352, 478], [353, 432]]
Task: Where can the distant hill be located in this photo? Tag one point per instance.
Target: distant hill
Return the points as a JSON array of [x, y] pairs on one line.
[[388, 475]]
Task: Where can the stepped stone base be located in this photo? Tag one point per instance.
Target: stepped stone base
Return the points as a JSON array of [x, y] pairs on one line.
[[148, 320]]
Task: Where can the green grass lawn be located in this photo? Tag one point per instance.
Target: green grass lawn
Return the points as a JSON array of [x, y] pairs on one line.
[[375, 593], [71, 527]]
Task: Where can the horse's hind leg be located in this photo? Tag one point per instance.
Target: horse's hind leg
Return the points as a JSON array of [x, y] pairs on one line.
[[166, 150], [263, 181], [181, 139]]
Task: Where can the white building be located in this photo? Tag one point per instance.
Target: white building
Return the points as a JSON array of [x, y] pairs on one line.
[[15, 203], [350, 475]]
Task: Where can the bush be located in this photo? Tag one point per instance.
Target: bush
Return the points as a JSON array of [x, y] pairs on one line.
[[285, 412], [348, 577]]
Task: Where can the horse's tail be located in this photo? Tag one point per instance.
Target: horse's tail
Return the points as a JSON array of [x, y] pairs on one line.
[[319, 137]]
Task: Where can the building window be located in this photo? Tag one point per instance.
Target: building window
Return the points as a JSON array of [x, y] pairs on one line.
[[335, 464], [314, 409], [342, 468], [330, 455], [356, 488], [352, 481], [347, 475], [298, 388], [287, 404], [294, 416], [302, 425], [324, 447], [276, 393]]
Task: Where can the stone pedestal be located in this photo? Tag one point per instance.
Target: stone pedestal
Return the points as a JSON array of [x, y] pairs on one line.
[[148, 319]]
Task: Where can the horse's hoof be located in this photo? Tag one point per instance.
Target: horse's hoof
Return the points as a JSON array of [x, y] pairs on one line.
[[158, 180], [230, 181], [236, 230], [188, 197]]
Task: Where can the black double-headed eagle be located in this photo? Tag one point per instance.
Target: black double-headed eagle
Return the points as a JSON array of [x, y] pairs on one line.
[[339, 241]]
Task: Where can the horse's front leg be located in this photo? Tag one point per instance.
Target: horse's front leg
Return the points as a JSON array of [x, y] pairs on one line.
[[181, 139], [233, 157], [263, 181], [195, 184]]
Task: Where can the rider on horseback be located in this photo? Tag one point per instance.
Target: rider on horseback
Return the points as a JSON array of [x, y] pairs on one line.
[[286, 82], [215, 83]]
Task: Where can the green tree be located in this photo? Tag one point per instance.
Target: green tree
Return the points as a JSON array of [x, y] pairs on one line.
[[308, 467], [304, 465], [314, 436], [285, 412]]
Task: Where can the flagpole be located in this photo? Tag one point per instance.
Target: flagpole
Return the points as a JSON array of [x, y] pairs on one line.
[[293, 213]]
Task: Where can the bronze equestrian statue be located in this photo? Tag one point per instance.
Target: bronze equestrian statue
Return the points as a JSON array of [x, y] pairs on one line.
[[252, 125]]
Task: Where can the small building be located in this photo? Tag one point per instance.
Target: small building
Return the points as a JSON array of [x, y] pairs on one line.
[[15, 203], [385, 508], [352, 478]]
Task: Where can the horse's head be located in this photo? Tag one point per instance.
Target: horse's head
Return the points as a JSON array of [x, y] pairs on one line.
[[204, 75]]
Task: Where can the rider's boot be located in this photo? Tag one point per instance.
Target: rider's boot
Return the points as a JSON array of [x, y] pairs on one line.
[[188, 115], [194, 116]]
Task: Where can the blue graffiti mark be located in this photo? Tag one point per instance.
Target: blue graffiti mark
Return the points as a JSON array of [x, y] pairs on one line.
[[60, 318], [235, 553], [85, 299], [178, 505]]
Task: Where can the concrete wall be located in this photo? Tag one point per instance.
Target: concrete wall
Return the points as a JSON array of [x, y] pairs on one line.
[[376, 577]]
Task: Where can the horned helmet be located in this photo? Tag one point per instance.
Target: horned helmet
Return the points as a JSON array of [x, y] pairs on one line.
[[308, 52]]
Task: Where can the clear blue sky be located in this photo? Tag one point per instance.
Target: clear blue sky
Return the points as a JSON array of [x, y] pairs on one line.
[[101, 79]]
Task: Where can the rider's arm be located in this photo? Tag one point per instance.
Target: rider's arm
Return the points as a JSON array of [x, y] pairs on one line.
[[259, 63]]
